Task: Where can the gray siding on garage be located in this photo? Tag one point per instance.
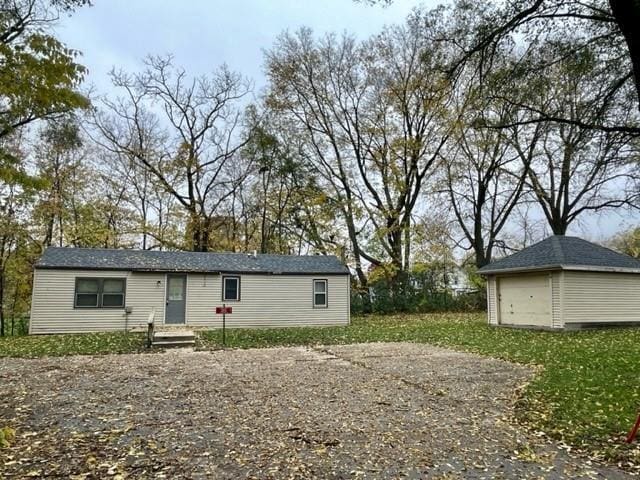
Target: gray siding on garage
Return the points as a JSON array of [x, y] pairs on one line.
[[596, 297], [52, 308], [265, 301]]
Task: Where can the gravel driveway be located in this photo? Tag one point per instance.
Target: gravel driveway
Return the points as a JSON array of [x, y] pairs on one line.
[[356, 411]]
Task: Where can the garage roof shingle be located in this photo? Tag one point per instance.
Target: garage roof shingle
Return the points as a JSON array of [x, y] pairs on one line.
[[155, 261], [563, 252]]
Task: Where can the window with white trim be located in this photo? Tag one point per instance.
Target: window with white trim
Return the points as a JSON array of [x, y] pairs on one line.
[[231, 289], [320, 294], [100, 292]]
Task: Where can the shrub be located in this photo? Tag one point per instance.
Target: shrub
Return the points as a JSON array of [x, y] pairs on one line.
[[381, 298]]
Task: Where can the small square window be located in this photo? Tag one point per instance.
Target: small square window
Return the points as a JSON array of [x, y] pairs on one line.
[[320, 294], [231, 289], [176, 289]]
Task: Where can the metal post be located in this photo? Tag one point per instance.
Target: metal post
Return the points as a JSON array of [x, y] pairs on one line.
[[149, 334], [224, 324], [634, 430]]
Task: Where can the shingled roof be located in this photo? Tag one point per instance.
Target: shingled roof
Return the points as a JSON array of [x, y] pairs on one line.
[[564, 253], [154, 261]]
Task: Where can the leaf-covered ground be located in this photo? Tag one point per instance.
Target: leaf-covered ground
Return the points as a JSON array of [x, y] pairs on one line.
[[34, 346], [396, 410], [587, 393]]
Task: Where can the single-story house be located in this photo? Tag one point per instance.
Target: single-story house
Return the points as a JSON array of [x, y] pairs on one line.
[[563, 283], [88, 290]]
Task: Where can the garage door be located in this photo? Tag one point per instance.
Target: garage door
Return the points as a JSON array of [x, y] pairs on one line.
[[525, 300]]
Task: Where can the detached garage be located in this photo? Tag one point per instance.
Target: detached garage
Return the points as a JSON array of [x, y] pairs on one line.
[[563, 283]]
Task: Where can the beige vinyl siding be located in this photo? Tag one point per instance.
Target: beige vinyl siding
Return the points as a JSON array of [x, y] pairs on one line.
[[52, 309], [556, 299], [267, 301], [204, 294], [492, 304], [591, 297]]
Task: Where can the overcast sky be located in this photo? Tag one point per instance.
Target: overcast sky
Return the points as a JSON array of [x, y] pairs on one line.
[[203, 34]]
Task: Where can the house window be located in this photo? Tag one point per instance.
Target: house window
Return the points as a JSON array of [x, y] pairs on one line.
[[231, 289], [100, 292], [87, 292], [113, 292], [319, 293]]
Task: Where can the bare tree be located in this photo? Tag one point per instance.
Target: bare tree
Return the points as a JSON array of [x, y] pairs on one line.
[[601, 26], [483, 173], [372, 117], [190, 145], [59, 156], [577, 169], [302, 75]]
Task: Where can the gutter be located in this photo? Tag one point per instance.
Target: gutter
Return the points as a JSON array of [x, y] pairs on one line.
[[581, 268], [168, 270]]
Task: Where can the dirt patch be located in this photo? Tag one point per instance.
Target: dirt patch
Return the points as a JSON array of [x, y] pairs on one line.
[[354, 411]]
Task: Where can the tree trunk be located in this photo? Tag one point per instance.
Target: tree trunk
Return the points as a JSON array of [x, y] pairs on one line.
[[1, 299], [407, 243], [559, 227], [200, 226], [264, 235], [263, 231], [482, 257], [478, 243], [13, 309], [48, 236], [144, 223], [627, 15]]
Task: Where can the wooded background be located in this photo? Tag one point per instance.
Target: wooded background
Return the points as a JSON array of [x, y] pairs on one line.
[[469, 131]]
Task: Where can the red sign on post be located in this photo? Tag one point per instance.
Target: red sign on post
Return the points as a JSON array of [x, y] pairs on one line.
[[223, 310]]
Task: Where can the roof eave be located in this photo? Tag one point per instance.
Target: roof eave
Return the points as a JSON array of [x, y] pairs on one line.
[[593, 268], [584, 268], [536, 268], [169, 270]]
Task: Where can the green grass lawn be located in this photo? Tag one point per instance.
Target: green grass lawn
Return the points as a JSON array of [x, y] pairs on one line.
[[587, 394], [78, 344]]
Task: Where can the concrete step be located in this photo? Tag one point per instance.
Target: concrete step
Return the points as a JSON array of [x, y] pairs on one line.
[[181, 338], [173, 343], [174, 334], [173, 338]]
